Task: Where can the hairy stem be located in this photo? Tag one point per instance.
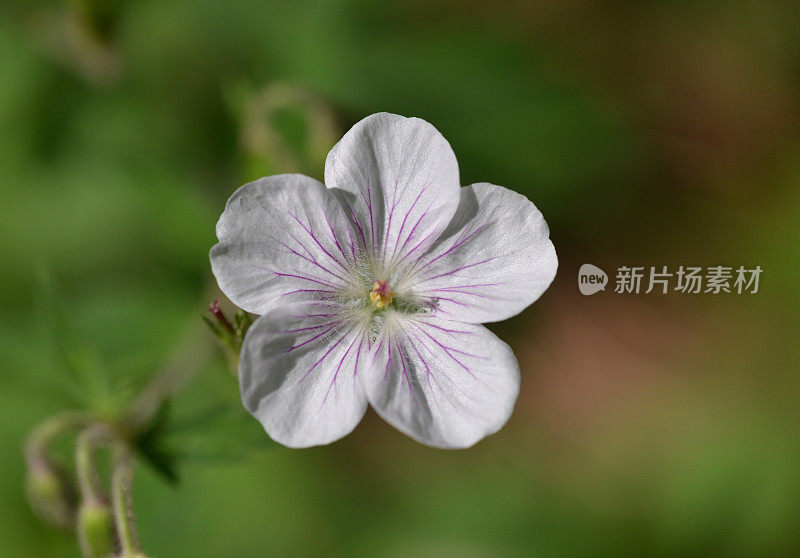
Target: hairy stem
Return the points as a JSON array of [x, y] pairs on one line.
[[85, 464], [121, 486]]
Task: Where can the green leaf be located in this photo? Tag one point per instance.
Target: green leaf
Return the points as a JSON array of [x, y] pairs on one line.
[[152, 446], [81, 370], [216, 431]]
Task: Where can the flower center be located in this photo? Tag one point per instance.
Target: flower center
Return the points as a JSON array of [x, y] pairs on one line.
[[381, 294]]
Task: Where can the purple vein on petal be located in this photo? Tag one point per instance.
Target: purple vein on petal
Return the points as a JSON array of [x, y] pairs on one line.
[[428, 181], [388, 360], [396, 197], [371, 217], [424, 362], [388, 225], [462, 268], [446, 330], [310, 233], [354, 219], [455, 385], [368, 201], [421, 242], [355, 365], [475, 286], [457, 291], [309, 279], [402, 358], [414, 228], [310, 260], [461, 364], [302, 245], [323, 357], [453, 301], [315, 337], [310, 328], [446, 348], [336, 373], [405, 219], [333, 237], [459, 242], [395, 201], [321, 291], [358, 356], [322, 303], [403, 224], [430, 375]]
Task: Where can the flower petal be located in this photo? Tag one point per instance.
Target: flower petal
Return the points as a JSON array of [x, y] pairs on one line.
[[299, 374], [443, 383], [282, 238], [494, 259], [398, 179]]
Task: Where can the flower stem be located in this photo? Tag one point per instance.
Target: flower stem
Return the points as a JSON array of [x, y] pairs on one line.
[[41, 436], [187, 360], [121, 485], [85, 466]]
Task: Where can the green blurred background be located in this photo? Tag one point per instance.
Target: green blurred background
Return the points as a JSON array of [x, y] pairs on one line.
[[648, 133]]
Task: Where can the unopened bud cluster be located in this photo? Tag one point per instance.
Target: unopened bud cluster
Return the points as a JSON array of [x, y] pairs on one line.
[[74, 501], [229, 333], [50, 492]]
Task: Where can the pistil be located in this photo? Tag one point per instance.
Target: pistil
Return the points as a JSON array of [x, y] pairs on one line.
[[381, 294]]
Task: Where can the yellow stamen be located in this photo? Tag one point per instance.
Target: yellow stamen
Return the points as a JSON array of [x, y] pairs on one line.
[[381, 294]]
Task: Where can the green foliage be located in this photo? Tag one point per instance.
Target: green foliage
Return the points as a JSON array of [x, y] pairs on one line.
[[85, 378], [151, 444]]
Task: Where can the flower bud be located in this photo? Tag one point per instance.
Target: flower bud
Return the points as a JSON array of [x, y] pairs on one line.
[[95, 532], [50, 493], [284, 128], [230, 334]]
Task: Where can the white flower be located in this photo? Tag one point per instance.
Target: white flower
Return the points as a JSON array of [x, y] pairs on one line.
[[371, 288]]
